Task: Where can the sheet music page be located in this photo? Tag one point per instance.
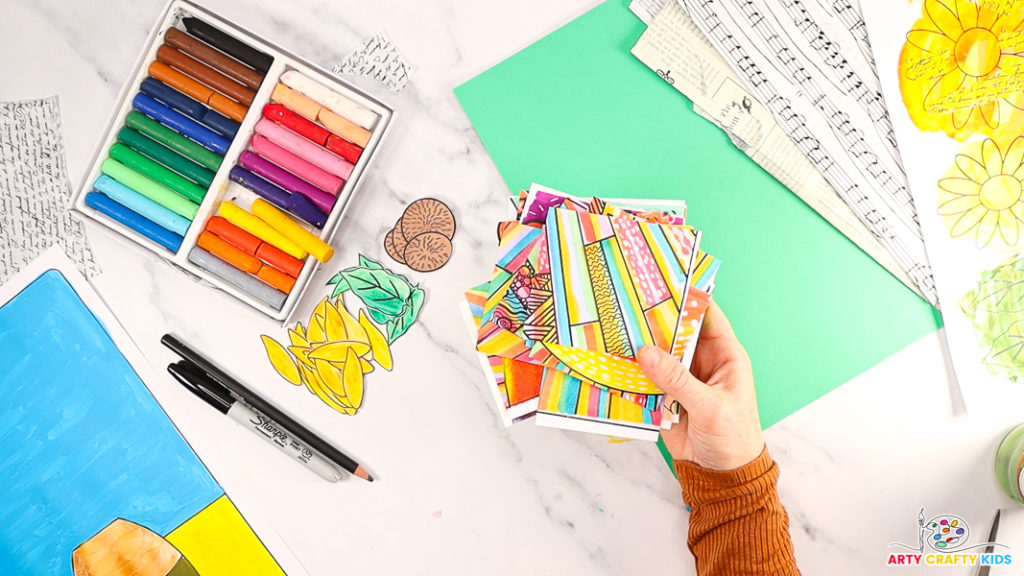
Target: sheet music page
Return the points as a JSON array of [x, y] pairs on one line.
[[678, 52], [646, 10], [810, 64]]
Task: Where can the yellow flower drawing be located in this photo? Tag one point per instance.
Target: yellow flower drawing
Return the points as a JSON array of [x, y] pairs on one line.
[[961, 69], [980, 195]]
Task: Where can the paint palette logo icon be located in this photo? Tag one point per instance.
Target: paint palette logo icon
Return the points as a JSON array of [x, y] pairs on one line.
[[947, 532]]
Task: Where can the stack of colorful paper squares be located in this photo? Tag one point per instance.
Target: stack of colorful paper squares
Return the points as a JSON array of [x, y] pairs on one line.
[[579, 287]]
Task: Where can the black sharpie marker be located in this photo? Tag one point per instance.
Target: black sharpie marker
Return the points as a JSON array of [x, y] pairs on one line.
[[215, 395]]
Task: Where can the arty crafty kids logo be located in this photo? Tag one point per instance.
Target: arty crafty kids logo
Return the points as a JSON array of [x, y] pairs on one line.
[[945, 540]]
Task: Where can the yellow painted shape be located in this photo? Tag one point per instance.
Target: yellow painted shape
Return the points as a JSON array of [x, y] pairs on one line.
[[218, 542], [281, 360], [604, 369], [959, 71]]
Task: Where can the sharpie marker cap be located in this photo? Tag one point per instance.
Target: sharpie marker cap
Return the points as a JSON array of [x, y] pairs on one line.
[[201, 385]]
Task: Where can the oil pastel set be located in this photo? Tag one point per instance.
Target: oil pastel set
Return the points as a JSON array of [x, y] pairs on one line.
[[580, 285], [232, 159]]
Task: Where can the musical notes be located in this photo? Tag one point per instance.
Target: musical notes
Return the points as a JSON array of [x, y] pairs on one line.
[[810, 64]]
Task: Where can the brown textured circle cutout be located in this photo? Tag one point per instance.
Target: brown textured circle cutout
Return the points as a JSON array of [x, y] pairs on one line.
[[427, 215], [428, 251], [390, 247]]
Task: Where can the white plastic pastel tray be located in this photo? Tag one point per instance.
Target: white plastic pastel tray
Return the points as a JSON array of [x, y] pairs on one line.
[[175, 11]]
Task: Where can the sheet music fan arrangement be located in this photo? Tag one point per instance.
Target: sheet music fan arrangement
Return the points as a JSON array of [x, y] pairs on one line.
[[580, 285], [807, 69]]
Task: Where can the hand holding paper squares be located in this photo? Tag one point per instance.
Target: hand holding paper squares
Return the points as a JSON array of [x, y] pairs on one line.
[[579, 297]]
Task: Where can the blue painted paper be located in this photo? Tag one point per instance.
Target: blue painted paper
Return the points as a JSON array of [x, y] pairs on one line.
[[82, 441]]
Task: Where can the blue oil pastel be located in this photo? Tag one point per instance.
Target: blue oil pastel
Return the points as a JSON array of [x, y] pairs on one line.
[[82, 441]]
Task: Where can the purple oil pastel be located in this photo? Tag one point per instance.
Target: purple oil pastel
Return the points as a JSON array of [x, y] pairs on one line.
[[272, 193], [305, 208], [285, 179]]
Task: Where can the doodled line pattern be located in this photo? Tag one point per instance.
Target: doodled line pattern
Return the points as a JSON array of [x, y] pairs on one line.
[[910, 258], [609, 316]]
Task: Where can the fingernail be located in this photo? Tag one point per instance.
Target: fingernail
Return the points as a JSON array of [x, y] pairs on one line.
[[649, 356]]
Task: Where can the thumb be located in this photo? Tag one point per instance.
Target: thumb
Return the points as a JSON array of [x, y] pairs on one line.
[[667, 373]]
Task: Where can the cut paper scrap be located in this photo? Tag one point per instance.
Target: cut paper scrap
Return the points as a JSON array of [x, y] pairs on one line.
[[331, 355], [390, 299], [515, 384], [379, 60], [620, 282], [980, 195], [88, 447], [574, 404], [34, 189], [961, 70]]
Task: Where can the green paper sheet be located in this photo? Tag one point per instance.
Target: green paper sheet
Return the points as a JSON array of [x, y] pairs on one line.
[[578, 113]]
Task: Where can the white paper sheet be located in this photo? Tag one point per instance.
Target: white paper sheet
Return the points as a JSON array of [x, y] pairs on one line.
[[931, 156], [34, 189], [807, 62], [679, 53], [379, 60]]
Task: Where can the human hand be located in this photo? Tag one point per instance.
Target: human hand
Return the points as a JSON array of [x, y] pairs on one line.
[[719, 427]]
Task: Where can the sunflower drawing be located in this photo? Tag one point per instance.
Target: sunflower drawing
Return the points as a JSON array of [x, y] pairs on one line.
[[981, 194], [961, 68]]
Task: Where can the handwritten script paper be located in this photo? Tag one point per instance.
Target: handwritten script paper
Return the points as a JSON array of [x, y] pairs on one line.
[[34, 190], [679, 53], [378, 59], [811, 65]]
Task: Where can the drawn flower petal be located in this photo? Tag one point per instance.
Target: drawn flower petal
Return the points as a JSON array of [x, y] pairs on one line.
[[930, 41], [968, 13], [991, 157], [943, 87], [971, 168], [987, 17], [961, 116], [1006, 26], [1014, 156], [967, 221], [990, 113], [958, 205], [944, 18], [986, 229], [960, 186], [1009, 227]]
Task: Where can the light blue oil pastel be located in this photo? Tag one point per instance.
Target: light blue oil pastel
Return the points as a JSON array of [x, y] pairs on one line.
[[140, 204], [82, 441]]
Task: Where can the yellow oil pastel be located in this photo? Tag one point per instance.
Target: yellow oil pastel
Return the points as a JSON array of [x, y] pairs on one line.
[[961, 71], [218, 542]]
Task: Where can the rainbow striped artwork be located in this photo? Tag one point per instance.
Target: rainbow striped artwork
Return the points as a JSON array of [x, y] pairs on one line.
[[578, 287]]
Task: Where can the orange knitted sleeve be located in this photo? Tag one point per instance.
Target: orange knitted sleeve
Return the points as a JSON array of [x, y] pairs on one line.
[[738, 527]]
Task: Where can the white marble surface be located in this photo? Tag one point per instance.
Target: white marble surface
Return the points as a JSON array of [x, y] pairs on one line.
[[458, 494]]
